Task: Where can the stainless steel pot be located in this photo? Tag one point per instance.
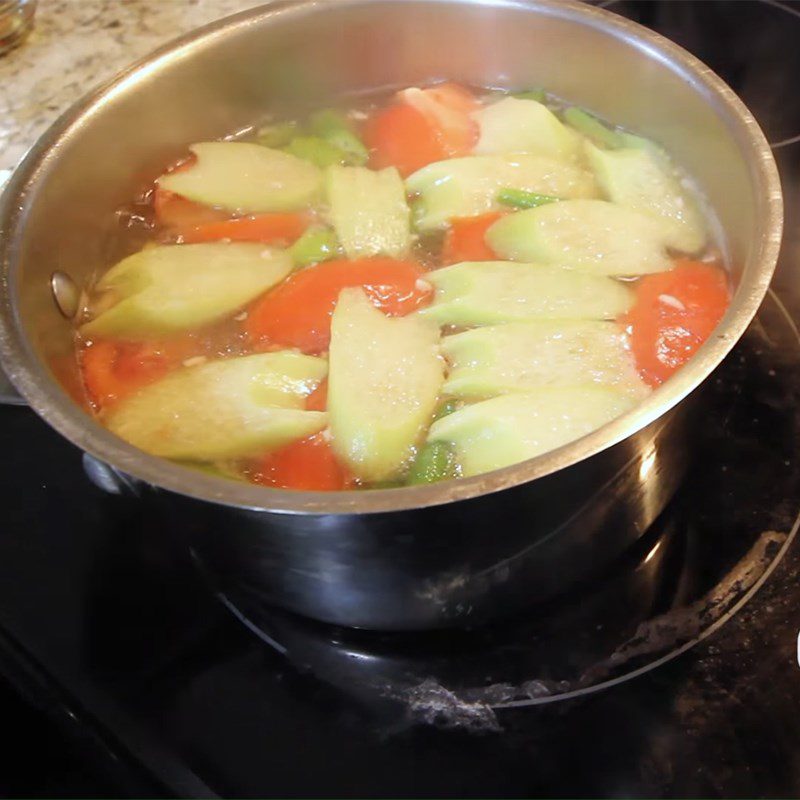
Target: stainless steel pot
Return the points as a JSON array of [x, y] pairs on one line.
[[449, 554]]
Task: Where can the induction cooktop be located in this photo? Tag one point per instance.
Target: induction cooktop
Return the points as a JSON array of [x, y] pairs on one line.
[[674, 673]]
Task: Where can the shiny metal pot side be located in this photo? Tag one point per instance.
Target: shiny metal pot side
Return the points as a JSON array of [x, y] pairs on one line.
[[417, 557]]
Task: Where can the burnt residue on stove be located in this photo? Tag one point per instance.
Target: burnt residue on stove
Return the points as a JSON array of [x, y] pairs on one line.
[[667, 634]]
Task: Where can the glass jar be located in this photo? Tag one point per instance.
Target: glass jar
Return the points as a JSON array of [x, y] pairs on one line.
[[16, 21]]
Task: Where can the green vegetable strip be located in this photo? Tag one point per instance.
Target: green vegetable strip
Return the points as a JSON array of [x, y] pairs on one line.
[[315, 149], [519, 198], [590, 126], [327, 121], [334, 127], [356, 155], [539, 95], [277, 135], [436, 461], [448, 407], [315, 245]]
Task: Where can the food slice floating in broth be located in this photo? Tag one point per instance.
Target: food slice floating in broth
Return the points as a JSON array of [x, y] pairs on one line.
[[466, 187], [421, 126], [594, 236], [396, 293], [369, 212], [223, 409], [673, 314], [308, 463], [493, 292], [450, 110], [169, 289], [298, 312], [465, 239], [385, 379], [512, 125], [246, 178], [505, 430], [402, 137], [639, 178], [276, 228], [523, 356]]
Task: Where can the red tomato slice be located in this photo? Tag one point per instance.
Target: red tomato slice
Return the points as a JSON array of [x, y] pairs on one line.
[[448, 108], [318, 399], [401, 136], [265, 228], [465, 240], [308, 464], [674, 313], [174, 211], [113, 370], [453, 96], [298, 312]]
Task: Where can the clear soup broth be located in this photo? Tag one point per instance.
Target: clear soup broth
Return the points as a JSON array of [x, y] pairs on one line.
[[435, 284]]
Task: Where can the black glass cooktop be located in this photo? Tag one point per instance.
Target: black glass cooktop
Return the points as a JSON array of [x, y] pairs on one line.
[[674, 673]]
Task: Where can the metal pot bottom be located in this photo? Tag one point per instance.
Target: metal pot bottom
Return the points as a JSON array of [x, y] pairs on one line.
[[450, 566]]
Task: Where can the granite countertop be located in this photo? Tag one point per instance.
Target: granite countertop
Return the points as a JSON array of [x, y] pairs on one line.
[[76, 45]]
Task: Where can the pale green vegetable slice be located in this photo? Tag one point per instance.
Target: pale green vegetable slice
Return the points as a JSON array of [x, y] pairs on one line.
[[435, 462], [637, 178], [446, 407], [167, 289], [523, 356], [315, 149], [336, 128], [539, 95], [593, 129], [467, 187], [514, 427], [515, 125], [590, 235], [223, 409], [246, 178], [276, 134], [384, 382], [315, 245], [492, 292], [369, 211]]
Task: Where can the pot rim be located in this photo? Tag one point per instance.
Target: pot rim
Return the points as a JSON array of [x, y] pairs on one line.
[[50, 401]]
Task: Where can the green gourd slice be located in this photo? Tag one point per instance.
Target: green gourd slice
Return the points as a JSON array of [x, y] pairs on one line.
[[246, 178], [514, 125], [167, 289], [467, 187], [594, 236], [523, 356], [383, 386], [640, 179], [493, 292], [229, 408], [505, 430], [368, 209]]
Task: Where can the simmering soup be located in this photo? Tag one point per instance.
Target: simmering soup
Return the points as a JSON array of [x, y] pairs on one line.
[[438, 285]]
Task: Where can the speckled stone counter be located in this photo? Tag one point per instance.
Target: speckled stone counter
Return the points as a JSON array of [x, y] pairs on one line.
[[77, 44]]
